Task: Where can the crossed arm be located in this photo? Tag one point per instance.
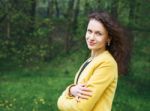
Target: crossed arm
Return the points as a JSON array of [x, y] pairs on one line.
[[99, 81]]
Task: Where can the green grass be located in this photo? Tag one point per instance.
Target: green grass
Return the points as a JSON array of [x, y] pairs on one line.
[[30, 91], [38, 88]]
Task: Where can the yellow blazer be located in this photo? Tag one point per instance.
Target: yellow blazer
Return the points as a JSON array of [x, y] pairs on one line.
[[101, 76]]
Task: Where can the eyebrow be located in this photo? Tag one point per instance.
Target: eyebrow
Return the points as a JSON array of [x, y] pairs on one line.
[[95, 31], [89, 30], [98, 32]]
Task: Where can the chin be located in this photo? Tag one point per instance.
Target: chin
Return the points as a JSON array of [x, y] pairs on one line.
[[91, 48]]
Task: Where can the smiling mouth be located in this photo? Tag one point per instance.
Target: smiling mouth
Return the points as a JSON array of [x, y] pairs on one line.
[[91, 44]]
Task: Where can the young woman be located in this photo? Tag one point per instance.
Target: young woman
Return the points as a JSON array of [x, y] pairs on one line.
[[96, 81]]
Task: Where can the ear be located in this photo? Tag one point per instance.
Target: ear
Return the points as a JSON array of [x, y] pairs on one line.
[[109, 39]]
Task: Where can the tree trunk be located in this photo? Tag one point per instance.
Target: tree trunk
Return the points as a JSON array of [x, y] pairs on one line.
[[132, 5], [3, 15], [57, 8], [50, 10], [70, 8], [69, 19], [8, 20], [75, 17], [32, 14]]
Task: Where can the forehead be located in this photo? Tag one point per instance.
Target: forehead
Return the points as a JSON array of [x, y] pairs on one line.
[[96, 25]]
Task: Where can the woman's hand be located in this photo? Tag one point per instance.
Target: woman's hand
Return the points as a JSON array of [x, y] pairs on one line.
[[80, 91]]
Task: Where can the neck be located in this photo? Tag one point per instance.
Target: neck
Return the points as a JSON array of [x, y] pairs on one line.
[[95, 53]]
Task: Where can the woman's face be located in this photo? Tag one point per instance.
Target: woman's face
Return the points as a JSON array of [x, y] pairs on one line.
[[96, 36]]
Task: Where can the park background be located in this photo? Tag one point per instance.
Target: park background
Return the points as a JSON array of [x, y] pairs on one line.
[[42, 45]]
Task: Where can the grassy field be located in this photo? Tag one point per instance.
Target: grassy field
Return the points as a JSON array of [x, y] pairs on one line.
[[38, 88]]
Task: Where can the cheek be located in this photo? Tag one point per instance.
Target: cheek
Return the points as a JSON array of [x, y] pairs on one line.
[[86, 36], [100, 40]]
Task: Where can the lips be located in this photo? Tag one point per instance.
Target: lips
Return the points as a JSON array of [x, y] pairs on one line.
[[91, 43]]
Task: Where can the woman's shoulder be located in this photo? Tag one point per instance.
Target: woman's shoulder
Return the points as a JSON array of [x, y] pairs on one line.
[[105, 58]]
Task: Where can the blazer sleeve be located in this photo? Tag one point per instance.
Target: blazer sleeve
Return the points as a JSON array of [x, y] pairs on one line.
[[101, 78]]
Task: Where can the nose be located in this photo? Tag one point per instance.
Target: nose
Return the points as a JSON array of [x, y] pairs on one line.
[[91, 36]]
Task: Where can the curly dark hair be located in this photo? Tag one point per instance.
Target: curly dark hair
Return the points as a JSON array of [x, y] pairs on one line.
[[120, 45]]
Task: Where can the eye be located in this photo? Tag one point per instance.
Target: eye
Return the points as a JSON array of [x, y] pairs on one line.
[[98, 33], [89, 31]]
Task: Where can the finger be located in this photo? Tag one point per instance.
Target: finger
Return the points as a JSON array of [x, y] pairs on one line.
[[77, 98], [82, 96], [85, 93], [85, 89], [81, 85]]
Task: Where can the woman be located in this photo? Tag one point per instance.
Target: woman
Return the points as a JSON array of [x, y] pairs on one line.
[[96, 81]]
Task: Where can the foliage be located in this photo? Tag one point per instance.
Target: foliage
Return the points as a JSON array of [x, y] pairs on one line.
[[28, 27]]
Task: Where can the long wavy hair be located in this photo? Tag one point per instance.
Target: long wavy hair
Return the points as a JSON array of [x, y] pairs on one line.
[[120, 45]]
